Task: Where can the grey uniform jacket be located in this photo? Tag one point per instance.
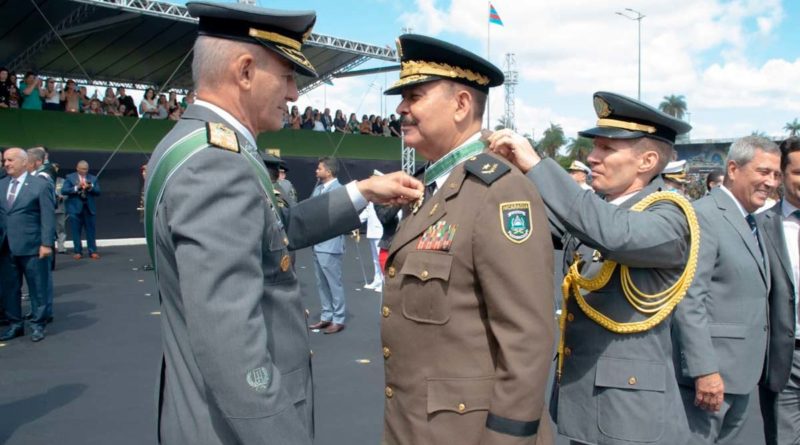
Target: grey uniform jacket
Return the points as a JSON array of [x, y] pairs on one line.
[[236, 365], [782, 305], [723, 318], [616, 389]]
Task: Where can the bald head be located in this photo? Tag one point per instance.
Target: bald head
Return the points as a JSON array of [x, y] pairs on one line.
[[15, 161], [82, 168]]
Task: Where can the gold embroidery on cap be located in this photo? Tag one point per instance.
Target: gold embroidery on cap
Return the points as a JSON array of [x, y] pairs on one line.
[[275, 38]]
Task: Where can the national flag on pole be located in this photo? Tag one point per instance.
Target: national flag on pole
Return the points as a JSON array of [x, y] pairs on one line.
[[494, 17]]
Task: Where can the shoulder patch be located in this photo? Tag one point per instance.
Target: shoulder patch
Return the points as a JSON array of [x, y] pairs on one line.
[[515, 220], [486, 167], [219, 135]]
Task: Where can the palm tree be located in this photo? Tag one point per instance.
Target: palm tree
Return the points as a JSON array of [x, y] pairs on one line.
[[674, 106], [579, 148], [552, 139], [793, 127]]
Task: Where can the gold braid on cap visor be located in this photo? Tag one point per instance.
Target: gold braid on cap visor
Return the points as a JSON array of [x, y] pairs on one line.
[[275, 38], [632, 126], [419, 70]]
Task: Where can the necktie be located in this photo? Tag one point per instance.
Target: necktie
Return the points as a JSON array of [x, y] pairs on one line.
[[12, 195], [430, 189], [751, 221]]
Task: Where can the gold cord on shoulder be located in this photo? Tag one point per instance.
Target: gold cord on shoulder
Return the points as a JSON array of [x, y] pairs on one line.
[[658, 306]]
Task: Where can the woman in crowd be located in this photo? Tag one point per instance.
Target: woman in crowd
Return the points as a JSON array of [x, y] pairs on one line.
[[339, 124], [95, 107], [110, 102], [148, 108], [31, 90], [4, 84], [187, 100], [173, 100], [162, 107], [352, 124], [308, 119], [51, 96], [294, 118], [318, 125], [387, 132], [366, 125], [83, 100], [175, 113], [377, 128]]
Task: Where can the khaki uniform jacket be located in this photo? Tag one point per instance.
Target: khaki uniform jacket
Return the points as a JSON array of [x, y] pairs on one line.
[[468, 331]]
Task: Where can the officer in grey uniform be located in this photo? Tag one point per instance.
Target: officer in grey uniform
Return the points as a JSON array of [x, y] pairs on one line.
[[616, 383], [236, 361]]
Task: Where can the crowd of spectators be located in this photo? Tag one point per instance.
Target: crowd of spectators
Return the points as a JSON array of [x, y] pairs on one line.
[[313, 119], [35, 93]]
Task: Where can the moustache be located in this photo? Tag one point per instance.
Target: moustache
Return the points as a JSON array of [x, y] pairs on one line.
[[409, 121]]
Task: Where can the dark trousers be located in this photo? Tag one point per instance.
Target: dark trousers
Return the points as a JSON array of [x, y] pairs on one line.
[[37, 274], [781, 411], [77, 223]]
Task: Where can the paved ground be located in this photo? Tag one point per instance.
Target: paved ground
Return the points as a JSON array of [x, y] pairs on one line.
[[92, 380]]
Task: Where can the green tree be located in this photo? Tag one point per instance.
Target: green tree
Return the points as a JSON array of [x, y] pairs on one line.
[[674, 106], [759, 133], [552, 139], [579, 148], [793, 127]]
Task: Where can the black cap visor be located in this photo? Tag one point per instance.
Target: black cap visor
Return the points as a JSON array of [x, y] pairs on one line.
[[620, 133]]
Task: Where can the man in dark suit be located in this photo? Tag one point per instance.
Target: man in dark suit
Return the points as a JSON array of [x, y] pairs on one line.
[[28, 214], [721, 329], [328, 260], [780, 385], [81, 188]]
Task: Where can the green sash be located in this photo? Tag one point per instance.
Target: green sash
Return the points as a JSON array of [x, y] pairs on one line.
[[173, 158]]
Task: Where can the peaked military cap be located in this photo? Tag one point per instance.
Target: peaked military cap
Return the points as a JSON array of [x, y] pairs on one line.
[[281, 31], [676, 171], [270, 159], [579, 166], [425, 59], [620, 117]]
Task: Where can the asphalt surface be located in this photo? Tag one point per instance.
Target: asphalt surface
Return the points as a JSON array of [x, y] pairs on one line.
[[92, 380]]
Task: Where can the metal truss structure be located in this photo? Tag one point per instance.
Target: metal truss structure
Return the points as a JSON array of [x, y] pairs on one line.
[[77, 16], [512, 79], [407, 157]]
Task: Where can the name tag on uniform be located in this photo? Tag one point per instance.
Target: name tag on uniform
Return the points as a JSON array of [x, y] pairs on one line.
[[438, 237]]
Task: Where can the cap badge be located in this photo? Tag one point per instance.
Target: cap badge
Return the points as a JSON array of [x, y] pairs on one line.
[[601, 107]]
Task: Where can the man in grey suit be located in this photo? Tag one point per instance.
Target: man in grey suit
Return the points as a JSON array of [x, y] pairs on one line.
[[27, 212], [328, 259], [615, 380], [780, 385], [721, 331], [236, 361]]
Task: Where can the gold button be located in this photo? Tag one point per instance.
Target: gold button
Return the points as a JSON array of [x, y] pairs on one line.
[[570, 317], [389, 392], [386, 311], [453, 185], [386, 352], [285, 241], [424, 274], [462, 407], [391, 272], [567, 351], [632, 381]]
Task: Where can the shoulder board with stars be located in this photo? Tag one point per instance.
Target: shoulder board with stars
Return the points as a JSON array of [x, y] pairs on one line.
[[486, 167], [221, 136]]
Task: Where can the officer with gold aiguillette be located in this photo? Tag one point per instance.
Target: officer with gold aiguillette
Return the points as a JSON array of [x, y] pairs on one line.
[[629, 259]]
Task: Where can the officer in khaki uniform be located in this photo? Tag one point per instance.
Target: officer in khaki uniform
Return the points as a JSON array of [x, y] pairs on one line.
[[467, 321], [236, 367], [622, 254]]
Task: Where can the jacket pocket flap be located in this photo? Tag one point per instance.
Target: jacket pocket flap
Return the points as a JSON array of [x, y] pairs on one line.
[[295, 384], [427, 265], [728, 330], [460, 395], [630, 374]]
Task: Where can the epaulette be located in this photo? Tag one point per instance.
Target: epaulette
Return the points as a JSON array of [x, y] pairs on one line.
[[486, 167], [219, 135]]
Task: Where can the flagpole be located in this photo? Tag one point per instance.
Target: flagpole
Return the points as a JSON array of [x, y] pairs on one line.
[[488, 58]]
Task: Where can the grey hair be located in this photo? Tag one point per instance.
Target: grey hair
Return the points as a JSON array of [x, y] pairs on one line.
[[744, 149], [22, 153], [212, 56], [36, 154], [83, 163]]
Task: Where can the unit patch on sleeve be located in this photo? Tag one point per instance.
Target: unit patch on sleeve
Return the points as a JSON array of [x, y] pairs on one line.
[[223, 137], [515, 219]]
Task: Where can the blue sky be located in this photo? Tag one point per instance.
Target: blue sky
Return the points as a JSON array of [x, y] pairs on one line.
[[737, 62]]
